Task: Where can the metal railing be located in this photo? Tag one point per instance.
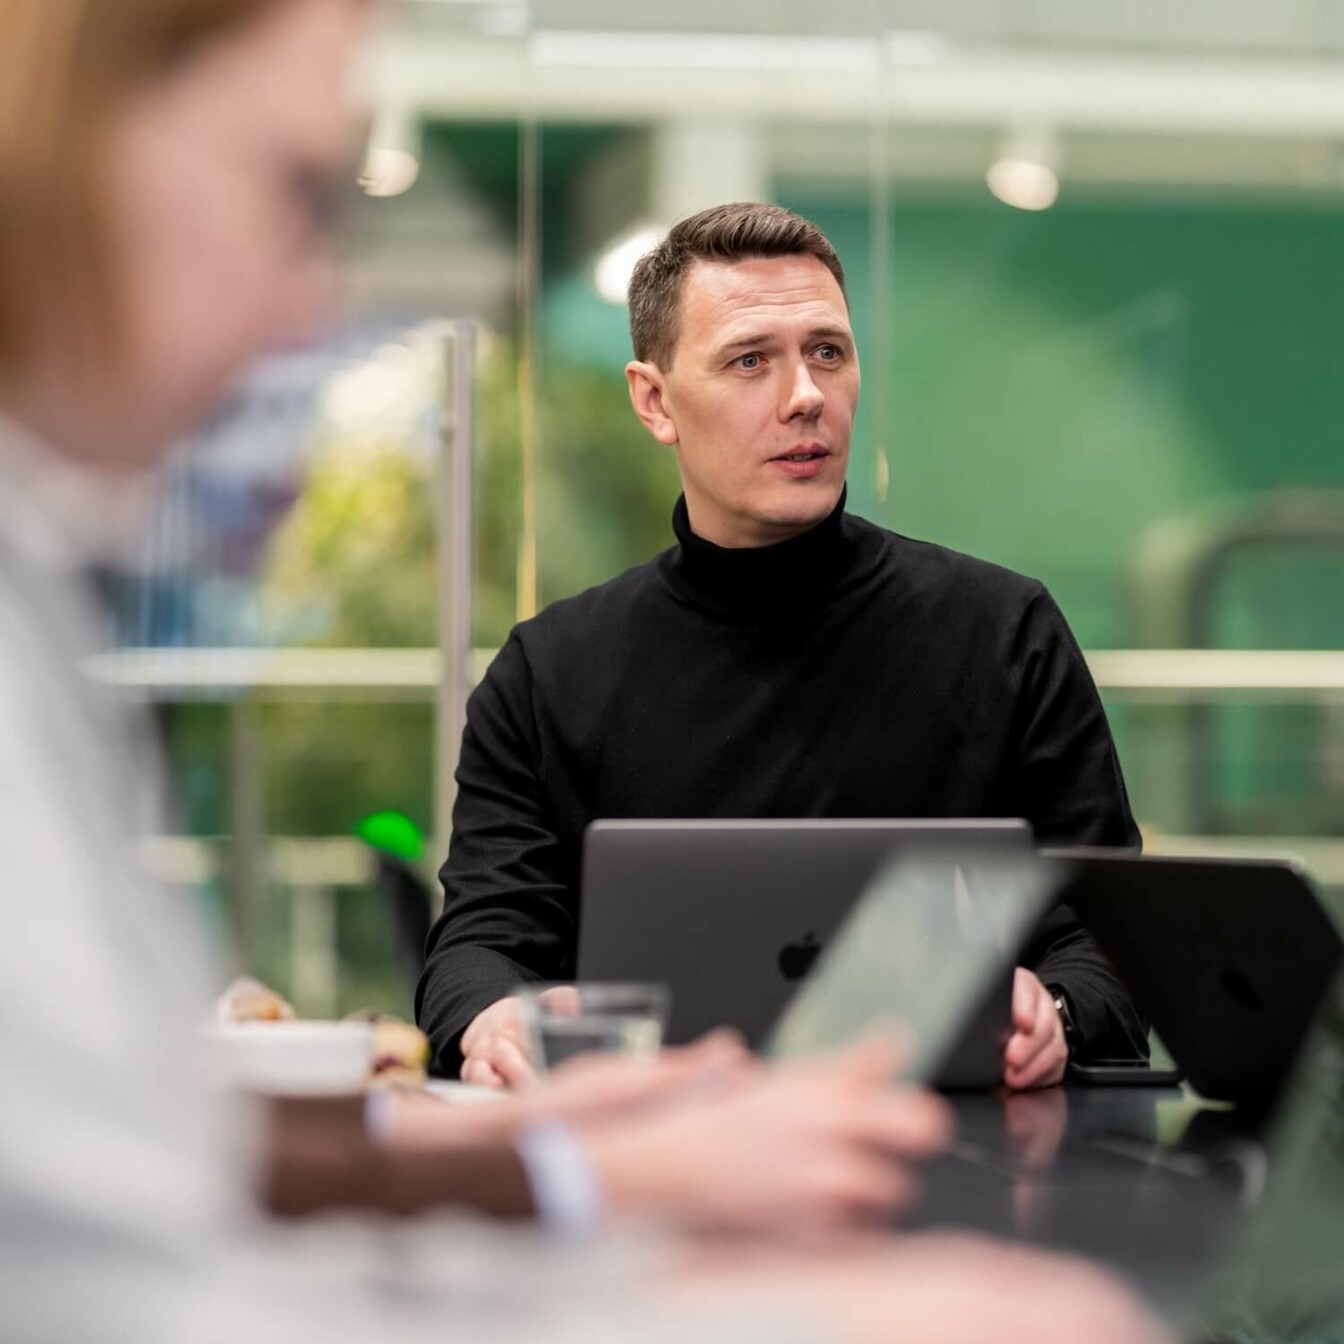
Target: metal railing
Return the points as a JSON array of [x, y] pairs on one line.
[[312, 868]]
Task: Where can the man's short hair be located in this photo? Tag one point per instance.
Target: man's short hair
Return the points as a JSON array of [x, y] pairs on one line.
[[746, 230]]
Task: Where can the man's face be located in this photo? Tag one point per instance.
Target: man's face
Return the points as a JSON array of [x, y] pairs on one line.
[[759, 400]]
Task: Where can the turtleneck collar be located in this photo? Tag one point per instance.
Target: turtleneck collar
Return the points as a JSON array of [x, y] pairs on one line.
[[763, 581]]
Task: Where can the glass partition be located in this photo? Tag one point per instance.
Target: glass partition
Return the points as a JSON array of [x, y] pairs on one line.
[[1092, 262]]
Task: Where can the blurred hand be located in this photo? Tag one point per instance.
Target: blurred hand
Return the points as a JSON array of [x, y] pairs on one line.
[[582, 1091], [937, 1288], [597, 1087], [495, 1048], [807, 1147], [1036, 1053]]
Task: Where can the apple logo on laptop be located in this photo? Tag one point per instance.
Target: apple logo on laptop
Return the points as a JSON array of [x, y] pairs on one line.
[[795, 959]]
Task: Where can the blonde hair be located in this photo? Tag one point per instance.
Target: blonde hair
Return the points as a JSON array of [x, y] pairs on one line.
[[67, 68]]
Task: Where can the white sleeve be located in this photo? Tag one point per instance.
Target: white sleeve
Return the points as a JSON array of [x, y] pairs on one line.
[[564, 1183], [121, 1215]]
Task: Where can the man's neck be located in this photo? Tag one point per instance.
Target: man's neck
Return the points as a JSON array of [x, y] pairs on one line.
[[735, 532]]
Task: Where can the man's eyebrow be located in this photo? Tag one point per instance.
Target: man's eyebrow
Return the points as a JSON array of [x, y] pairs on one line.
[[765, 340], [742, 343], [830, 334]]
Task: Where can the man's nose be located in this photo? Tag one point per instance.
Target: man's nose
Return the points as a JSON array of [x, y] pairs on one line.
[[804, 399]]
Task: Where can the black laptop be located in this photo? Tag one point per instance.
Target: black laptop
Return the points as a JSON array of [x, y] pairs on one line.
[[1230, 959]]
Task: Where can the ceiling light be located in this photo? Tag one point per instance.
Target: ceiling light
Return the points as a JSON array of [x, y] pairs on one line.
[[388, 172], [1025, 175], [616, 265], [392, 163], [1023, 184]]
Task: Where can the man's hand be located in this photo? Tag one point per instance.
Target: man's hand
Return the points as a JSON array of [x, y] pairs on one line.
[[583, 1091], [495, 1048], [1036, 1053], [811, 1146]]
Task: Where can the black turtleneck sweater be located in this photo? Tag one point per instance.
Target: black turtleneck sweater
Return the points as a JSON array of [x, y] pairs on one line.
[[847, 672]]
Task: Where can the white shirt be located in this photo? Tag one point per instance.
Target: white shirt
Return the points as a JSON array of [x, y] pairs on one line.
[[123, 1209]]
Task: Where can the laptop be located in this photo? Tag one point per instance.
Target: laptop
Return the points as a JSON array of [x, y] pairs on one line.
[[1230, 959], [731, 915], [932, 945]]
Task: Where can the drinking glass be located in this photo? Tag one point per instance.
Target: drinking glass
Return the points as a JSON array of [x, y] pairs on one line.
[[575, 1019]]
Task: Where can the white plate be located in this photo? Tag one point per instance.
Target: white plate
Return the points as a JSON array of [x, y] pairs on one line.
[[294, 1058], [463, 1094]]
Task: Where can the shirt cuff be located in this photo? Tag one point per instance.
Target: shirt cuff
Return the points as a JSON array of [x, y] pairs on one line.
[[564, 1185], [380, 1115]]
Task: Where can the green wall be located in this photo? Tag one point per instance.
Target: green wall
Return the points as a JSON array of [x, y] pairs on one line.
[[1059, 382]]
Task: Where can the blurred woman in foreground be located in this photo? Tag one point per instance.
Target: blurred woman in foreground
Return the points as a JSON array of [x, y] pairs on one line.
[[169, 174]]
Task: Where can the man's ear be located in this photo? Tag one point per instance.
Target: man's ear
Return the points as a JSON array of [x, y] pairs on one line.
[[645, 381]]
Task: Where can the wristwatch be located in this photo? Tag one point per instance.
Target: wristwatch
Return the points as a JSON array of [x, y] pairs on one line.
[[1072, 1036]]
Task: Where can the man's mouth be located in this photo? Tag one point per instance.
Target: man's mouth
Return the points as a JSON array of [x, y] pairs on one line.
[[802, 455], [805, 463]]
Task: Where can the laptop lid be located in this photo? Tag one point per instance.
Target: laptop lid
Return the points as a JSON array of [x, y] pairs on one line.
[[731, 915], [1230, 959]]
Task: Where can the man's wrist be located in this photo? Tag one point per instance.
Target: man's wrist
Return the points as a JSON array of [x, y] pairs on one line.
[[1064, 1007]]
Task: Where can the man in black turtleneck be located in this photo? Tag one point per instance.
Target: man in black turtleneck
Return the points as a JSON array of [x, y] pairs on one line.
[[784, 659]]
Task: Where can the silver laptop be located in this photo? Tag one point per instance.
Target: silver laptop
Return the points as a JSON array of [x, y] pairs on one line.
[[731, 915]]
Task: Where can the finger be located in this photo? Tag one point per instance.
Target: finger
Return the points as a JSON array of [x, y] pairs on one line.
[[1046, 1028], [562, 1000], [1045, 1069], [596, 1083], [875, 1058], [846, 1185], [908, 1123], [1046, 1031], [1024, 1047], [1055, 1073], [479, 1071], [697, 1069], [717, 1057], [721, 1043], [511, 1062], [1025, 990]]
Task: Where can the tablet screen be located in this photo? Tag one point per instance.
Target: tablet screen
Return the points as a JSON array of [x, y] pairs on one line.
[[920, 948]]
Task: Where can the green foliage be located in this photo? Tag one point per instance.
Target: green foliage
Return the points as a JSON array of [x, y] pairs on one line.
[[356, 559], [605, 490], [358, 550], [354, 566]]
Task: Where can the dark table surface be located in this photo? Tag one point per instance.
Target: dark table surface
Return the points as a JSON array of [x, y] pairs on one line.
[[1150, 1181]]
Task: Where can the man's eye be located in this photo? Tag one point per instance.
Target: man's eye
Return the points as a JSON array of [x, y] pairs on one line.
[[828, 352], [749, 362]]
